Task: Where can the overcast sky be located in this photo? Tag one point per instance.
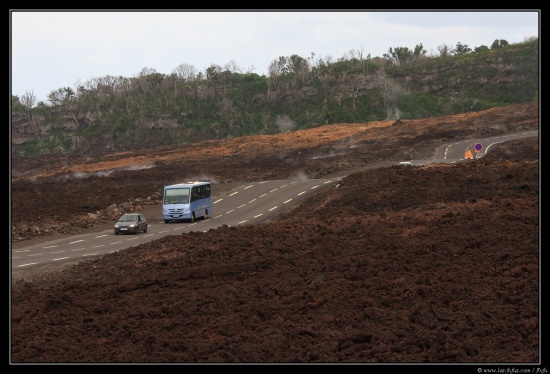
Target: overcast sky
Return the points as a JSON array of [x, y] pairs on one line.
[[57, 49]]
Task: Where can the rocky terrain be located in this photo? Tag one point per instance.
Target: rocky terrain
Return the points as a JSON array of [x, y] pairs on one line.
[[431, 264]]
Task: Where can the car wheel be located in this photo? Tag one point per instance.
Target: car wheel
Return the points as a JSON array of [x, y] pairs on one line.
[[116, 233], [145, 229]]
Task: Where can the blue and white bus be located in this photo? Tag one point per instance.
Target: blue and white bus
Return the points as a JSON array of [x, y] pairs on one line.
[[186, 201]]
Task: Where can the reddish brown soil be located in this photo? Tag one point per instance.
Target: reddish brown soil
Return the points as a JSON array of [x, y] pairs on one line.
[[433, 264]]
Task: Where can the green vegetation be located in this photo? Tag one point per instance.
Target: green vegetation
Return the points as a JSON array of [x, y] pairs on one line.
[[116, 113]]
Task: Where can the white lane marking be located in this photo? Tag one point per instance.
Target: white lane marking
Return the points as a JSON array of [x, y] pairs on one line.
[[77, 241], [251, 201], [32, 263], [240, 206], [284, 202], [234, 193], [275, 207], [59, 259], [217, 201], [247, 187], [446, 151], [258, 215]]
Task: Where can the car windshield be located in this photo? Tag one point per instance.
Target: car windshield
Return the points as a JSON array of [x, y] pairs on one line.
[[128, 218]]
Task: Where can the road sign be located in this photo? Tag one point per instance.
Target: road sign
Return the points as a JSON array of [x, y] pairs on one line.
[[468, 154], [478, 147]]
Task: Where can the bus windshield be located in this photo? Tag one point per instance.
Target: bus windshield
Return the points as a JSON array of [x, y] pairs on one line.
[[176, 196], [187, 201]]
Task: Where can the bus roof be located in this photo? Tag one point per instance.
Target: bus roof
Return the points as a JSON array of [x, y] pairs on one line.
[[188, 184]]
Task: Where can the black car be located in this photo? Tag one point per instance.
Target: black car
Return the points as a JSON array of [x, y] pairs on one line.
[[131, 223]]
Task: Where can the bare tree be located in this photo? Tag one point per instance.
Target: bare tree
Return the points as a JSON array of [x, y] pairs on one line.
[[444, 50], [186, 72], [250, 69], [361, 53], [147, 71], [28, 99], [232, 67], [276, 69]]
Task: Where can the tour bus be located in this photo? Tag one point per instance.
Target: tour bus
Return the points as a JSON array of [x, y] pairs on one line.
[[186, 201]]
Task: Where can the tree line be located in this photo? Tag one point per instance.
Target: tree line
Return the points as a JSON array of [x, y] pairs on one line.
[[153, 109]]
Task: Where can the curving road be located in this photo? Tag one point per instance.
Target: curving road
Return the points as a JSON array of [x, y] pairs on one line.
[[246, 204], [466, 149]]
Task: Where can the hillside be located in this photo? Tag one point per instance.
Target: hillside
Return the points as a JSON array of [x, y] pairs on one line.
[[118, 114], [432, 264], [87, 191]]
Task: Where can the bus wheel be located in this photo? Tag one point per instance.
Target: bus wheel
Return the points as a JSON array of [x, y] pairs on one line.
[[192, 217], [205, 214]]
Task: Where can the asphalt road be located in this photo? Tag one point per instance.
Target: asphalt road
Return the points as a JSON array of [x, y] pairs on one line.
[[468, 149], [244, 205]]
